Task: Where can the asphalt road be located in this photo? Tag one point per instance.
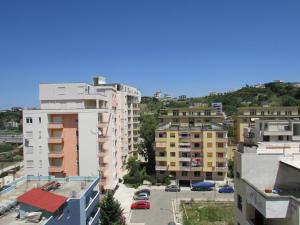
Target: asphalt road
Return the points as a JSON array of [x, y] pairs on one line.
[[161, 210]]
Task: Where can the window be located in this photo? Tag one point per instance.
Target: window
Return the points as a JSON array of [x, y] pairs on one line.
[[239, 203], [220, 174], [61, 90], [175, 113], [197, 135], [209, 154], [172, 145], [220, 135], [220, 155], [197, 145], [262, 113], [29, 134], [237, 174], [172, 135], [40, 163], [184, 113], [161, 135], [40, 120], [280, 138], [288, 113], [209, 164], [220, 145], [173, 164], [161, 172], [278, 113], [197, 174], [172, 154], [184, 173], [209, 145], [28, 120], [175, 120], [207, 112], [29, 150], [40, 149], [40, 134], [29, 164], [209, 135], [252, 112]]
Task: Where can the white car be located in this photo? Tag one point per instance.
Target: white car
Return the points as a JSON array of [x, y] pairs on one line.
[[141, 196]]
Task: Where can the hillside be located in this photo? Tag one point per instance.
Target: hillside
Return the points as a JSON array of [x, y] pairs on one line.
[[274, 93]]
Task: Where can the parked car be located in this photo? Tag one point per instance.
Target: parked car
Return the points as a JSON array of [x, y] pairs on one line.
[[172, 188], [201, 189], [140, 205], [147, 191], [141, 196], [226, 189]]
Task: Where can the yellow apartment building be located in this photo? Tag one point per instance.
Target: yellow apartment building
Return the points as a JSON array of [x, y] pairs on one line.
[[191, 153], [194, 116], [247, 116]]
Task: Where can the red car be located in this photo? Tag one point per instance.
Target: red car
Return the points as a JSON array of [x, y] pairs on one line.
[[140, 205]]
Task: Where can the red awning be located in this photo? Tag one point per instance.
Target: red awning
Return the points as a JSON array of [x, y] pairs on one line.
[[40, 199]]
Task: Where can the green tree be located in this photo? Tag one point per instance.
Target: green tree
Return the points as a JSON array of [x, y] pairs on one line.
[[230, 168], [111, 212], [149, 123]]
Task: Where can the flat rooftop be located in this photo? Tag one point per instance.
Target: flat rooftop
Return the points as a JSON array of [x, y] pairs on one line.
[[206, 127], [72, 187]]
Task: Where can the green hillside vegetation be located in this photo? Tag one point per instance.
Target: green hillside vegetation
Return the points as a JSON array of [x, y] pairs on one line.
[[274, 94], [7, 117]]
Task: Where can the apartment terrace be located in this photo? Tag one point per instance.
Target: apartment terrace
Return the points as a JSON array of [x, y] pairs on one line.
[[70, 187]]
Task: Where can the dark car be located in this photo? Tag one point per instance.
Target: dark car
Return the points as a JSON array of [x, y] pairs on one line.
[[226, 189], [172, 188], [140, 205], [201, 189], [147, 191], [171, 223]]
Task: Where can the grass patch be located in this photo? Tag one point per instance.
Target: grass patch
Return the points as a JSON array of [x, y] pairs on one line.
[[208, 214]]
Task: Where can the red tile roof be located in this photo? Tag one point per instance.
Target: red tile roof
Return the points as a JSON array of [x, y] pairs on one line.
[[38, 198]]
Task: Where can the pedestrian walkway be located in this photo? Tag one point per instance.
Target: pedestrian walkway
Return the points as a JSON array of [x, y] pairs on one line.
[[124, 195]]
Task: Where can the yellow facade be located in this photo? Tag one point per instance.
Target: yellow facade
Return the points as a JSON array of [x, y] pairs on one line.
[[189, 153], [246, 117]]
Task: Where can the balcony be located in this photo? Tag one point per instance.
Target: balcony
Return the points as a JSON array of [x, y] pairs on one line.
[[196, 168], [102, 139], [221, 168], [185, 149], [269, 205], [222, 159], [184, 168], [93, 201], [55, 125], [56, 154], [186, 144], [160, 158], [55, 140], [94, 220], [55, 169], [221, 150], [160, 167], [160, 144], [185, 159]]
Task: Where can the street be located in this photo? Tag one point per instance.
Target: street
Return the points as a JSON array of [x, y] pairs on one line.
[[161, 210]]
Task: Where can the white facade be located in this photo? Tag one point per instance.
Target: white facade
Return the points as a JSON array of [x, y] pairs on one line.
[[267, 173], [82, 129]]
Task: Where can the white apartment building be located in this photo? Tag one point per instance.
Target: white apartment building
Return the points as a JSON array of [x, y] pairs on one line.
[[267, 174], [82, 130]]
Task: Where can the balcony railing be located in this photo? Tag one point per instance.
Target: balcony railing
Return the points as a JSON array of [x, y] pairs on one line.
[[160, 167], [184, 168], [185, 159], [55, 140], [221, 168], [55, 125], [54, 154], [55, 169], [184, 149]]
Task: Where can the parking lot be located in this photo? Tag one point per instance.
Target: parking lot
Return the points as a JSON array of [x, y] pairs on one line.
[[161, 210]]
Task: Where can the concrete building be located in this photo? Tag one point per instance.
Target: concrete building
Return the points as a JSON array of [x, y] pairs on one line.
[[267, 173], [218, 106], [82, 130], [191, 153], [247, 116], [46, 200], [194, 116]]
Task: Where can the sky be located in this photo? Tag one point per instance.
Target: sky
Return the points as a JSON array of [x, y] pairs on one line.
[[187, 47]]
